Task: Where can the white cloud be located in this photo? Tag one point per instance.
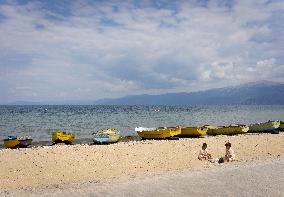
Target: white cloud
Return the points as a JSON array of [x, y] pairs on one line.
[[103, 49]]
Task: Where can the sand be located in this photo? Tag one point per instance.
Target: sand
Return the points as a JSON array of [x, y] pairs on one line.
[[236, 179], [45, 168]]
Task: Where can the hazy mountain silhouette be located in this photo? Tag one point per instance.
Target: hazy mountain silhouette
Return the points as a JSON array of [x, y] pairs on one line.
[[263, 92]]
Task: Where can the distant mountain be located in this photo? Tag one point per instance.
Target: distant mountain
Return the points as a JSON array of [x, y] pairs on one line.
[[52, 103], [24, 103], [259, 93]]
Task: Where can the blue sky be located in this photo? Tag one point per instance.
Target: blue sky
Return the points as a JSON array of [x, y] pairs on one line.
[[87, 50]]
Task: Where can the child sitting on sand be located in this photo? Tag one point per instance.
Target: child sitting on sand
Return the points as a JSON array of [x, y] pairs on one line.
[[203, 154], [230, 155]]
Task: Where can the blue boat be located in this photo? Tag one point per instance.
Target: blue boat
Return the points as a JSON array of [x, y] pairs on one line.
[[265, 126], [106, 136]]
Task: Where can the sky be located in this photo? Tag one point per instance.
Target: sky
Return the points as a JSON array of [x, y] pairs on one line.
[[87, 50]]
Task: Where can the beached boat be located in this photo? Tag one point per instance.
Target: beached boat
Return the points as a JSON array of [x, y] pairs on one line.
[[62, 137], [25, 141], [15, 142], [193, 131], [106, 136], [158, 133], [264, 126], [11, 142], [227, 130]]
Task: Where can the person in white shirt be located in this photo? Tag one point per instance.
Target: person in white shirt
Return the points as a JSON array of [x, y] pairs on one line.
[[229, 155], [203, 154]]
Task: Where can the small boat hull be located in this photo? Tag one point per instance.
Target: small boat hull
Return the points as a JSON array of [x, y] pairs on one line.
[[227, 130], [159, 133], [264, 127], [193, 131], [8, 143], [106, 140], [62, 137]]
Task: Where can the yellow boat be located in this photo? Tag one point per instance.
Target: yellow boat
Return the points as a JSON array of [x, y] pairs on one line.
[[193, 131], [265, 126], [227, 130], [63, 137], [11, 142], [158, 133]]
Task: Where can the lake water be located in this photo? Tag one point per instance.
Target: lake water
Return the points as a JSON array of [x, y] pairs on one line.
[[40, 121]]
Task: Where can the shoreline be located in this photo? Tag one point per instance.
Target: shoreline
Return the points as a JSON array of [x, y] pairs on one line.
[[80, 141], [129, 138], [37, 167]]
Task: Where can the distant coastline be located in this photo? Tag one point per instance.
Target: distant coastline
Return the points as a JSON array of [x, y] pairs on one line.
[[259, 93]]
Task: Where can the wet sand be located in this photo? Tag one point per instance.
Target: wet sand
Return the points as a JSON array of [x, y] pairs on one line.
[[62, 166]]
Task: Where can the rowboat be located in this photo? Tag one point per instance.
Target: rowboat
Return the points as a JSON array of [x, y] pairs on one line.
[[15, 142], [11, 142], [265, 126], [158, 133], [193, 131], [62, 137], [106, 136], [227, 130]]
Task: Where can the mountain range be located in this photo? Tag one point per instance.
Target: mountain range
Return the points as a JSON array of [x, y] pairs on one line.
[[256, 93]]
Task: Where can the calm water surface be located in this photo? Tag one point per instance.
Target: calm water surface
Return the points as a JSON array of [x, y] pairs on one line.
[[40, 121]]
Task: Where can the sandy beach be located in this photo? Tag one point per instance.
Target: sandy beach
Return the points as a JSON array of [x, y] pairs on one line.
[[27, 171], [255, 178]]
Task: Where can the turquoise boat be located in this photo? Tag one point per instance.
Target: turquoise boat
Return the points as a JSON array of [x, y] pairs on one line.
[[106, 136], [265, 126]]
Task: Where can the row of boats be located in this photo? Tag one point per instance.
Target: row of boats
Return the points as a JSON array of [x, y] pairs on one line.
[[169, 132], [106, 136], [100, 137]]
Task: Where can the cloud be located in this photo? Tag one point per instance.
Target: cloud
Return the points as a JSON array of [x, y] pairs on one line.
[[88, 50]]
